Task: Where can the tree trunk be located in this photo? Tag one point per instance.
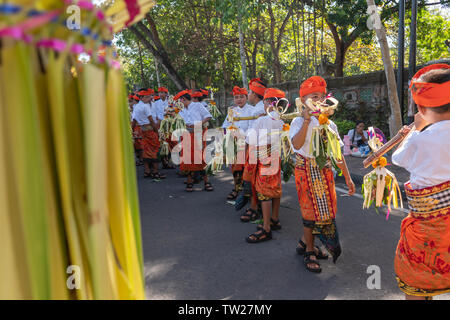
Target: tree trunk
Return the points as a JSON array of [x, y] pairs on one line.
[[340, 59], [144, 81], [159, 53], [395, 120], [243, 58]]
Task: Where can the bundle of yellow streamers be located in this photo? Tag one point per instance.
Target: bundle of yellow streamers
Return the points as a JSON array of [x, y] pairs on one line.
[[325, 143], [69, 210], [380, 186], [214, 110]]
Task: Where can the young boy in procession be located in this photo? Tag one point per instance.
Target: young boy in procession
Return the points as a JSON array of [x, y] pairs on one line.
[[267, 181], [194, 115], [240, 109], [133, 99], [256, 98], [162, 105], [422, 262], [146, 120], [315, 186]]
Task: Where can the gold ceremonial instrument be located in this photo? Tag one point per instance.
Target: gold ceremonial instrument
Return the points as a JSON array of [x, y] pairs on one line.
[[328, 106], [399, 137], [233, 118]]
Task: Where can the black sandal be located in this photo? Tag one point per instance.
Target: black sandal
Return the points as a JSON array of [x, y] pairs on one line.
[[302, 249], [159, 176], [260, 236], [189, 187], [148, 175], [208, 187], [309, 261], [274, 225], [249, 215], [233, 195]]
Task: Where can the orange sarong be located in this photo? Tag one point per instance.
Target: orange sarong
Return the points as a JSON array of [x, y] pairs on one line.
[[150, 144], [268, 179], [137, 137], [196, 148], [318, 202], [422, 262], [249, 174]]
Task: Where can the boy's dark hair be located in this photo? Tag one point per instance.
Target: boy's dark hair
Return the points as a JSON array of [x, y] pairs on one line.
[[187, 96], [202, 97], [259, 96], [438, 76], [270, 99]]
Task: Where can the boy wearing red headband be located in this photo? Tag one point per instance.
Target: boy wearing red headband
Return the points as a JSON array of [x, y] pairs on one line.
[[240, 109], [144, 117], [161, 106], [194, 114], [256, 98], [422, 262], [132, 101], [315, 187], [267, 181]]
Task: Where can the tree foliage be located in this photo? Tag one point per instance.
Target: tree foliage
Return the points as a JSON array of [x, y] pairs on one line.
[[284, 40]]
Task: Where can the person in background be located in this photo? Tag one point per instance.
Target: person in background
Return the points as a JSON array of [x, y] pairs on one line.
[[359, 140]]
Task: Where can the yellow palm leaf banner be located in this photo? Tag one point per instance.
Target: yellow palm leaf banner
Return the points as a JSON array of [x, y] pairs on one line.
[[69, 211]]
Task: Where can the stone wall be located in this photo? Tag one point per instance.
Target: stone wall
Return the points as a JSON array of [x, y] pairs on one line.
[[362, 97]]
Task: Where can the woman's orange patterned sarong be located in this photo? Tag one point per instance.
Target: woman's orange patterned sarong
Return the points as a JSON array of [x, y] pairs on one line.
[[422, 262]]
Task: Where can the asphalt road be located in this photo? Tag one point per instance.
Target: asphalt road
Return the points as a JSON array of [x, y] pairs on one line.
[[194, 248]]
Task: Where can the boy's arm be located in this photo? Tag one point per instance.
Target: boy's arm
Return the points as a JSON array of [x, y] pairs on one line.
[[348, 179]]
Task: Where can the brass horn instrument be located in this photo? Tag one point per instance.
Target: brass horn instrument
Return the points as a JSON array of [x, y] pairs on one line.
[[233, 118], [328, 106]]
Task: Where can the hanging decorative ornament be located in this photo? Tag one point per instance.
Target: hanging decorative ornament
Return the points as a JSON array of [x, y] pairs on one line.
[[380, 186]]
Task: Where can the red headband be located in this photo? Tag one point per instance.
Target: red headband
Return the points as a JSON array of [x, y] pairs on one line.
[[145, 92], [197, 94], [430, 94], [313, 84], [257, 87], [182, 93], [274, 93], [163, 89], [239, 91]]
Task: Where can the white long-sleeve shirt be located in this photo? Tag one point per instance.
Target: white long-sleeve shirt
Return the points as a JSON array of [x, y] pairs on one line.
[[160, 107], [243, 125], [426, 155], [258, 110], [297, 124], [141, 112], [265, 131], [195, 112]]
